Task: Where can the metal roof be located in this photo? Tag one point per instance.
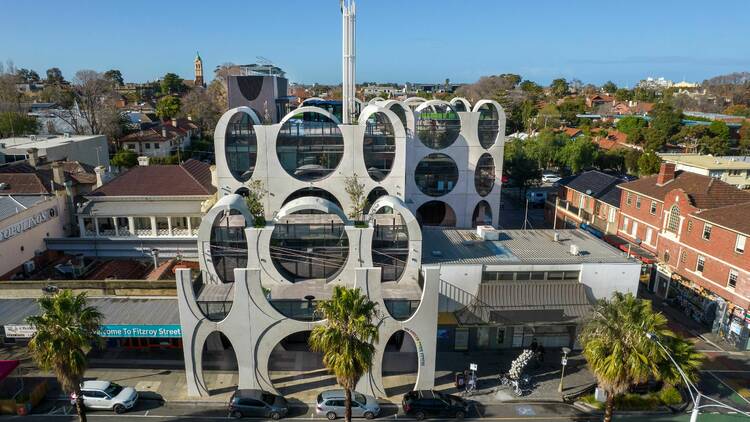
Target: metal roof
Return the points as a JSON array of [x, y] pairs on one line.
[[11, 205], [533, 247], [115, 310], [161, 206]]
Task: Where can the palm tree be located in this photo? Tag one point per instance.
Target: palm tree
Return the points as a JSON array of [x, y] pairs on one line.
[[346, 339], [620, 354], [65, 331]]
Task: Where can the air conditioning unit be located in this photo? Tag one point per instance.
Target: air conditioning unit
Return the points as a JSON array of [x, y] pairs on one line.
[[574, 250], [29, 267]]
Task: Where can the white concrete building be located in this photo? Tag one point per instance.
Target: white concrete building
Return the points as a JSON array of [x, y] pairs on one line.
[[88, 149]]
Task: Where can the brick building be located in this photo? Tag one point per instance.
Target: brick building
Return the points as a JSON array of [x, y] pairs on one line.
[[589, 200], [697, 226]]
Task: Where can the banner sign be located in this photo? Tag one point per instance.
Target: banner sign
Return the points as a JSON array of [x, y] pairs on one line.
[[108, 331], [27, 224], [131, 331]]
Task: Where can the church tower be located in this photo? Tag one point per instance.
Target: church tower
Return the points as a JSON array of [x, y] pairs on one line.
[[198, 70]]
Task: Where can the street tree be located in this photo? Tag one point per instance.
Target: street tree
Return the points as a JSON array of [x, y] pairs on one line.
[[744, 144], [168, 106], [93, 108], [609, 87], [171, 84], [579, 154], [114, 76], [548, 117], [619, 353], [125, 158], [64, 333], [346, 338], [13, 123], [201, 108], [648, 163], [559, 88], [630, 125]]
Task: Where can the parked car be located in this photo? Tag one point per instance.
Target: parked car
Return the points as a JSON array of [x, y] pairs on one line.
[[332, 404], [536, 197], [108, 395], [257, 403], [549, 177], [427, 403]]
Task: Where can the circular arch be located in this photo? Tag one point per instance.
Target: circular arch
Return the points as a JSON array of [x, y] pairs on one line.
[[414, 100], [373, 196], [404, 113], [311, 99], [436, 213], [437, 133], [463, 101], [220, 136], [436, 174], [310, 149], [309, 109], [482, 215], [376, 100], [311, 203], [486, 139], [382, 128], [312, 192]]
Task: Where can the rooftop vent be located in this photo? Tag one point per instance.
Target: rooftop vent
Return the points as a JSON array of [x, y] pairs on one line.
[[488, 233], [574, 250]]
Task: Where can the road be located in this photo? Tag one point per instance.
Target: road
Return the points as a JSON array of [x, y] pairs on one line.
[[155, 411]]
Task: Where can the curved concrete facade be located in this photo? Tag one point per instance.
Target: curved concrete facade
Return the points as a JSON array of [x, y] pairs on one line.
[[399, 182]]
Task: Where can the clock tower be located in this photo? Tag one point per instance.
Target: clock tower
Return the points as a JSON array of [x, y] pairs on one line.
[[198, 70]]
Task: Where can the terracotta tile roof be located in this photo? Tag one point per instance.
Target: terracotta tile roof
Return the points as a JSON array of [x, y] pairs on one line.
[[612, 139], [23, 178], [192, 177], [571, 131], [704, 192], [735, 217]]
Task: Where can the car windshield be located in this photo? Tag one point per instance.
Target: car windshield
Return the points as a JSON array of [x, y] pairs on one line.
[[269, 398], [113, 390], [359, 398]]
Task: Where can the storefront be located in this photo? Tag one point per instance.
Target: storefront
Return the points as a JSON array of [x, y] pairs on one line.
[[734, 325], [129, 337], [694, 301]]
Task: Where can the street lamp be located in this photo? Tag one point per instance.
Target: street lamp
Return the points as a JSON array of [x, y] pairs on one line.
[[695, 394], [564, 363]]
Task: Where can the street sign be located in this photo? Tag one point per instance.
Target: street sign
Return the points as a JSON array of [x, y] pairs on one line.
[[473, 366], [564, 361]]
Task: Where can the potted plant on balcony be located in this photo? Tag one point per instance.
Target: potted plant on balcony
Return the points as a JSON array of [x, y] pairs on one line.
[[254, 201], [356, 192]]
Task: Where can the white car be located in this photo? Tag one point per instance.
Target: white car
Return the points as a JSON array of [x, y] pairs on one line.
[[550, 177], [108, 395]]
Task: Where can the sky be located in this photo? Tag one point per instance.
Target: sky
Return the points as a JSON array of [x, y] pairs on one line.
[[397, 40]]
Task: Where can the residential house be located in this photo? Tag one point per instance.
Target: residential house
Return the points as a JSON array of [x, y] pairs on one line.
[[162, 139], [733, 170], [598, 99], [697, 226]]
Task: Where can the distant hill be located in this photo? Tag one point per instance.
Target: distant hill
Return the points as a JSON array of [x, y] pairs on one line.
[[736, 78]]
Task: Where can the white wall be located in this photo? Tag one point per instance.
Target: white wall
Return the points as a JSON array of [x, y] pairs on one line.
[[605, 279]]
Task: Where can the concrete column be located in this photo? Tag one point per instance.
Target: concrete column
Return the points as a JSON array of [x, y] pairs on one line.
[[169, 225], [131, 226], [153, 226], [117, 230]]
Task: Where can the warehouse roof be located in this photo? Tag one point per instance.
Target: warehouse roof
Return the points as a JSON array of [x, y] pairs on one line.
[[115, 310], [533, 247]]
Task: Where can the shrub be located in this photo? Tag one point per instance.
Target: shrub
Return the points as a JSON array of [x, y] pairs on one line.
[[670, 396]]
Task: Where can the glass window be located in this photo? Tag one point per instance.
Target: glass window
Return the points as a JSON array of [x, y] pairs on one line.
[[683, 256], [162, 226], [484, 175], [310, 146], [638, 201], [241, 146], [436, 174], [571, 275], [379, 146], [505, 275], [707, 231], [438, 126], [733, 276], [482, 214], [700, 264], [148, 145], [673, 223], [106, 226], [489, 125], [690, 226], [628, 198], [555, 275], [523, 275], [537, 275], [739, 245], [652, 210], [489, 276], [156, 145]]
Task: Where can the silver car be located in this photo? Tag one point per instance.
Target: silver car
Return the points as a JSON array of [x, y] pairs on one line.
[[108, 395], [331, 404]]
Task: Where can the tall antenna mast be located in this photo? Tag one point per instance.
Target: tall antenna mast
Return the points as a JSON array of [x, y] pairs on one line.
[[348, 11]]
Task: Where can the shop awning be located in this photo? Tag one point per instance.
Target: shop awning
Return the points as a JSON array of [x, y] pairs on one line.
[[6, 367], [529, 302]]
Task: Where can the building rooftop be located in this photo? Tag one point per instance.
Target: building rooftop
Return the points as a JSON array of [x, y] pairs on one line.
[[21, 178], [705, 192], [734, 217], [708, 162], [596, 184], [11, 205], [151, 311], [191, 178], [532, 247], [43, 141]]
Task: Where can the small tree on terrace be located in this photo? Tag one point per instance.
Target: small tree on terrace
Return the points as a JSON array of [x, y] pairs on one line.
[[356, 192], [254, 201], [346, 339], [65, 331]]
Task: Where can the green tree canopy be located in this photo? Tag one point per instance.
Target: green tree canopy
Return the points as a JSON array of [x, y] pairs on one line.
[[666, 119], [346, 338], [115, 76], [548, 117], [559, 88], [738, 110], [619, 353], [125, 158], [744, 144], [648, 163], [631, 125], [54, 76], [522, 171], [17, 124], [579, 154], [623, 94], [719, 129], [65, 331], [171, 84], [545, 147], [609, 87], [168, 107], [569, 108]]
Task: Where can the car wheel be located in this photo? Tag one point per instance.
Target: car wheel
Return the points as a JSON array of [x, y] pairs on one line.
[[236, 414], [419, 416], [119, 409], [369, 415], [331, 416], [459, 415], [275, 415]]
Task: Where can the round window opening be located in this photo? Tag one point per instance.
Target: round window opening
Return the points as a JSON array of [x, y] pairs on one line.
[[400, 111], [241, 146], [489, 125], [314, 192], [390, 243], [482, 214], [436, 213], [309, 245], [379, 146], [373, 196], [438, 126], [228, 244], [484, 175], [309, 146], [436, 174]]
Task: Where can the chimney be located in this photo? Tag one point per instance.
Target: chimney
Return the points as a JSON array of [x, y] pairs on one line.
[[143, 160], [100, 175], [214, 177], [33, 156], [666, 174], [58, 174]]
